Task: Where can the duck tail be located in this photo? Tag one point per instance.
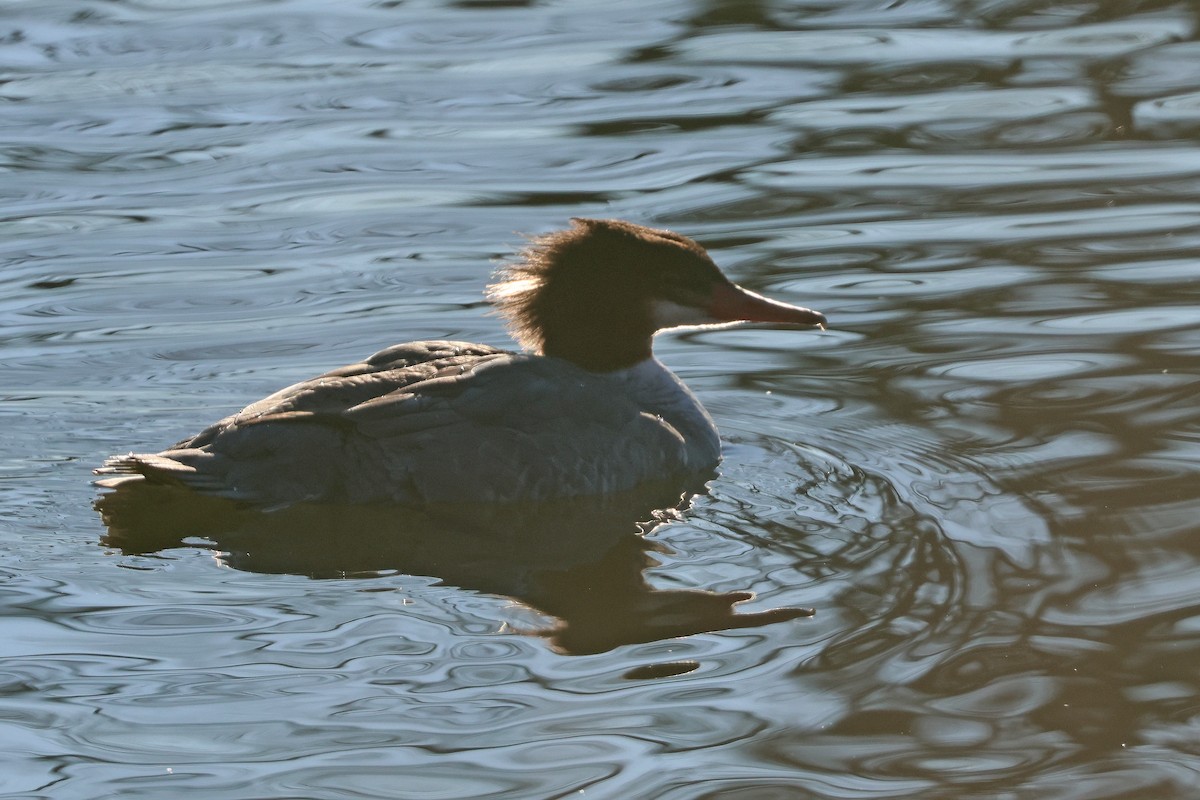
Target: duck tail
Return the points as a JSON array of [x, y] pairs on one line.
[[156, 468]]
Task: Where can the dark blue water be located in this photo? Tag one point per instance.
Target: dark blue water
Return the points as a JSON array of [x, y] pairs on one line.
[[982, 478]]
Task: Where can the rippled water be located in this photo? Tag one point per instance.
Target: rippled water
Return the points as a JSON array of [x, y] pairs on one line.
[[983, 478]]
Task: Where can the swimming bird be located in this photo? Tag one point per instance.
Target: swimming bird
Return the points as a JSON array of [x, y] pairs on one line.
[[586, 409]]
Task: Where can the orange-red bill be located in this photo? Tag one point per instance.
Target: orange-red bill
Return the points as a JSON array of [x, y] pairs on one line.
[[732, 303]]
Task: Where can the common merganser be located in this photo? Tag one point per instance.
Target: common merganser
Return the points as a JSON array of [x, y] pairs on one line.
[[586, 410]]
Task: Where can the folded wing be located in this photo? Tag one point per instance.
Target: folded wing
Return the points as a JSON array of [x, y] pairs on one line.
[[419, 423]]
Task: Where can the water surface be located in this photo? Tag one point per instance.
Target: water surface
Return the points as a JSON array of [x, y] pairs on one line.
[[982, 478]]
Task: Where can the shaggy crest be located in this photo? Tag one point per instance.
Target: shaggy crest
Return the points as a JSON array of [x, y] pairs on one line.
[[591, 250]]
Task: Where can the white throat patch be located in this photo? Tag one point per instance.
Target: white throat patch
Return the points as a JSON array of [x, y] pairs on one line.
[[667, 314]]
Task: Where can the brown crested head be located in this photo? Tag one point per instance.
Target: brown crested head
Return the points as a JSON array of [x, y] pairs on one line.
[[596, 293]]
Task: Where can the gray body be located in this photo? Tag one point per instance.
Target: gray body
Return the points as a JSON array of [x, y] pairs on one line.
[[444, 422]]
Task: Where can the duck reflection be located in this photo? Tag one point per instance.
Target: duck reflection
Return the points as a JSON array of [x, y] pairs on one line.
[[580, 561]]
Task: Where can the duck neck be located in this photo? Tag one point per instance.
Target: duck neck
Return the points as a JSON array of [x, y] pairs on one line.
[[597, 354], [600, 337]]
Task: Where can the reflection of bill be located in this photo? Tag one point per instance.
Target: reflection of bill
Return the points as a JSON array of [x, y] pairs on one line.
[[581, 562]]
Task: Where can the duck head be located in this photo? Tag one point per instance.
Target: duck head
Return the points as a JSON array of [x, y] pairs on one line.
[[596, 293]]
